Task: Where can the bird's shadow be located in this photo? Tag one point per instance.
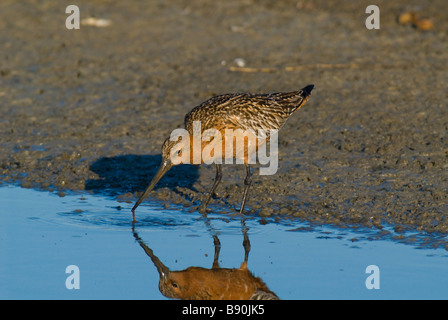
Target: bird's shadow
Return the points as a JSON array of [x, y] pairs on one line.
[[131, 173]]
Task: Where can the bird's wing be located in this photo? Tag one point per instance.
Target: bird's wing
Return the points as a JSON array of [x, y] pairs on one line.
[[212, 113], [245, 111], [235, 111]]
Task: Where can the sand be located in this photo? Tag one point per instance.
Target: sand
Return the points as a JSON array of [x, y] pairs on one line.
[[87, 110]]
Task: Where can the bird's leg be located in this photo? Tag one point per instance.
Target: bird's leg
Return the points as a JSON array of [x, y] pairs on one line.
[[246, 244], [247, 183], [215, 184], [217, 245]]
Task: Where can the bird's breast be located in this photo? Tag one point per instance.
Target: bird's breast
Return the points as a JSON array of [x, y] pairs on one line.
[[220, 146]]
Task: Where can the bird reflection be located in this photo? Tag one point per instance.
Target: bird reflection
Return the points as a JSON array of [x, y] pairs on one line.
[[197, 283]]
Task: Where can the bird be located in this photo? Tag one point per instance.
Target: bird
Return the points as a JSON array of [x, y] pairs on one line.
[[209, 125], [216, 283]]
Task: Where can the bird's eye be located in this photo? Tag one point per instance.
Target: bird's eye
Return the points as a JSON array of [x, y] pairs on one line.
[[174, 284]]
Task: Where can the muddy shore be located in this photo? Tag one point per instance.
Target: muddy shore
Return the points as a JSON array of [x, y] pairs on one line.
[[88, 109]]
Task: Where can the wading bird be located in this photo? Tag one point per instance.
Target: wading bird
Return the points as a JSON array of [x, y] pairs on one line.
[[245, 113]]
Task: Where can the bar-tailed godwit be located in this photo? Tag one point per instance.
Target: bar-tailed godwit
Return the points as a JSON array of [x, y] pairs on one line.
[[245, 113]]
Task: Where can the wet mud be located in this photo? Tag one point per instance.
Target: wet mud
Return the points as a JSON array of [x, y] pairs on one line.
[[89, 109]]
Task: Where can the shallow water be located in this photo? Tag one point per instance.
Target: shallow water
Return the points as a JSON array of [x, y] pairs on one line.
[[42, 233]]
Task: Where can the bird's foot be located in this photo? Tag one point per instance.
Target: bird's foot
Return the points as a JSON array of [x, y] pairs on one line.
[[203, 209], [133, 217]]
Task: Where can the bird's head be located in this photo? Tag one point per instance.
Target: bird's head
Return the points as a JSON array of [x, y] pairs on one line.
[[169, 149], [171, 155], [177, 149]]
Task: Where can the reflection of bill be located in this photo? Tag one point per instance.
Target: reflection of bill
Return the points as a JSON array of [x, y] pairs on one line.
[[197, 283], [214, 146]]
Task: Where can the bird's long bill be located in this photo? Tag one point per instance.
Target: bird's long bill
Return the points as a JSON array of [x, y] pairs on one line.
[[164, 167]]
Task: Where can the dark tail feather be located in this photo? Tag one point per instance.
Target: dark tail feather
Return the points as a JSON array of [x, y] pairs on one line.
[[294, 100], [307, 90]]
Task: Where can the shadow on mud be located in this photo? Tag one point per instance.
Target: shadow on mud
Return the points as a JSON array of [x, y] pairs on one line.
[[131, 173]]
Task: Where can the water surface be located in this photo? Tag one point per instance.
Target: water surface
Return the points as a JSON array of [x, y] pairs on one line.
[[41, 233]]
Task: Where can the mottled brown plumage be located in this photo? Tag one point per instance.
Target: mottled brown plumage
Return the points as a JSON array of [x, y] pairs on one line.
[[247, 111], [241, 111]]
